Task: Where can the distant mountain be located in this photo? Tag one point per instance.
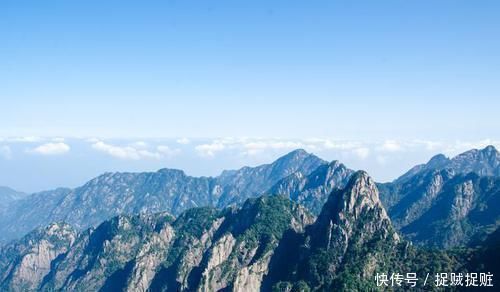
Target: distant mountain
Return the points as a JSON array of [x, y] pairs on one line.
[[438, 204], [168, 190], [447, 202], [8, 195], [312, 190], [27, 214], [251, 181], [270, 243], [484, 162]]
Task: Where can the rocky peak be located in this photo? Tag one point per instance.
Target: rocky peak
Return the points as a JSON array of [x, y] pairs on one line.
[[294, 161], [352, 219], [172, 172], [490, 150], [297, 153], [476, 155], [481, 161], [359, 194], [329, 169], [438, 161], [312, 190], [300, 155], [354, 212]]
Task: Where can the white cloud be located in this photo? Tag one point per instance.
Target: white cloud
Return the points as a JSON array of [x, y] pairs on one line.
[[133, 153], [52, 148], [429, 145], [249, 146], [140, 144], [253, 148], [183, 141], [5, 152], [209, 150], [126, 152], [390, 146], [339, 145], [167, 151]]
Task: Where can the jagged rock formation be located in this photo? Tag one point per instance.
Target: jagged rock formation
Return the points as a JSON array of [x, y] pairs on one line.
[[484, 162], [24, 264], [204, 250], [168, 190], [447, 202], [437, 204], [352, 235], [456, 212], [312, 190], [256, 180], [269, 243]]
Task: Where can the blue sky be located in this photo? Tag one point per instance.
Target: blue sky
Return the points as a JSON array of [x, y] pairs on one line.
[[370, 71]]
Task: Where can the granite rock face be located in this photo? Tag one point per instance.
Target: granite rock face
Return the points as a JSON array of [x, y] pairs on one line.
[[24, 264], [447, 202], [312, 190], [484, 162], [352, 220], [202, 250]]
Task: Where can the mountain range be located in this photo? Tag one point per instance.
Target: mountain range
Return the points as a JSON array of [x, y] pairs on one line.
[[270, 243], [167, 190], [297, 224], [443, 203], [8, 195], [447, 202]]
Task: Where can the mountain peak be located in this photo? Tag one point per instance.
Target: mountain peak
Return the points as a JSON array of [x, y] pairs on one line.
[[8, 195], [335, 164], [438, 160], [490, 149], [484, 161], [172, 171], [361, 188], [352, 211], [296, 154], [487, 152], [362, 176], [359, 196]]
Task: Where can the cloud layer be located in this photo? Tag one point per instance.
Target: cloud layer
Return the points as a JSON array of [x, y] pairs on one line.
[[380, 151], [136, 151], [52, 148]]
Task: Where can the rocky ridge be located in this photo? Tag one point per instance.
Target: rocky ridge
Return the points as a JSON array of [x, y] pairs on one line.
[[447, 202], [167, 190]]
